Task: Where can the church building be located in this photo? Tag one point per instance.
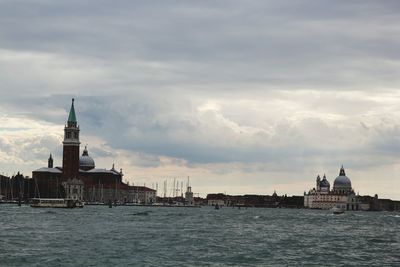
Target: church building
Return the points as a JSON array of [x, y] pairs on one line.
[[342, 195], [99, 185]]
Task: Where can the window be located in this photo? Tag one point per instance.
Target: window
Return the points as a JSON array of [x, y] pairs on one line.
[[68, 135]]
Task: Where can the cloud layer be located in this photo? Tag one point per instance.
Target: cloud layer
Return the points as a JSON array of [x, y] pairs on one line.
[[242, 96]]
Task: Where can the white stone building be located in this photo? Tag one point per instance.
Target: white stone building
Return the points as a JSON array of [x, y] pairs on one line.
[[342, 195], [143, 195], [73, 189]]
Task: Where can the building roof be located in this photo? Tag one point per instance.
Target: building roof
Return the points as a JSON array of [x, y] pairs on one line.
[[218, 196], [103, 171], [142, 188], [51, 170]]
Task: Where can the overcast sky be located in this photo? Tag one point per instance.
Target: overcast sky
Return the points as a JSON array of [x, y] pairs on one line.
[[242, 96]]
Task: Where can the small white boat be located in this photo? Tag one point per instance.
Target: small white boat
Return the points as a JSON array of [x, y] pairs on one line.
[[55, 203], [337, 210]]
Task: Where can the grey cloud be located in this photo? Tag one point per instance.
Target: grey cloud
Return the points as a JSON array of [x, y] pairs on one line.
[[298, 85], [293, 45]]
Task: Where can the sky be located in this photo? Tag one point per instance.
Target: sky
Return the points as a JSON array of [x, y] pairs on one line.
[[244, 97]]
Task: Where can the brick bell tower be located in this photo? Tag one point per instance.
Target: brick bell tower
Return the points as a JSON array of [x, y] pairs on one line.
[[71, 146]]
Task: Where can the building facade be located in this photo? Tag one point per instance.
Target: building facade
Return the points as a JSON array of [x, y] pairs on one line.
[[341, 195]]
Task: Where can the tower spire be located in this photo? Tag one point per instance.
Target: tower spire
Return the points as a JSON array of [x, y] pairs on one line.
[[72, 116]]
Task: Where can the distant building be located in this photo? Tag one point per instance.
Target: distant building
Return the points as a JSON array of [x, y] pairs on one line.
[[217, 199], [99, 185], [342, 195], [259, 201]]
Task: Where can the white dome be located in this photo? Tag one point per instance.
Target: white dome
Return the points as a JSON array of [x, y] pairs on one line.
[[85, 161], [342, 181]]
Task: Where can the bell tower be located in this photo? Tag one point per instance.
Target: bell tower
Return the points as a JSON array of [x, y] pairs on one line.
[[71, 146], [50, 162]]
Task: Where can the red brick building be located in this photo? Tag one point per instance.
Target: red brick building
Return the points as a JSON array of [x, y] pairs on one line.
[[100, 185]]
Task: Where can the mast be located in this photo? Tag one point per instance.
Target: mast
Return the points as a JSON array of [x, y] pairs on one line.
[[165, 190], [181, 189], [173, 189], [98, 192], [11, 189], [6, 192], [36, 188], [115, 193]]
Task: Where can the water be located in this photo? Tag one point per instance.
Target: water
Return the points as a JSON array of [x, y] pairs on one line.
[[151, 236]]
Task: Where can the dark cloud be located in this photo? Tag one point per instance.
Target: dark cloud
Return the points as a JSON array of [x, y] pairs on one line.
[[302, 44]]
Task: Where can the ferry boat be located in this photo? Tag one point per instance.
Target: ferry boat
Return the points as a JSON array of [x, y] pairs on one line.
[[55, 203]]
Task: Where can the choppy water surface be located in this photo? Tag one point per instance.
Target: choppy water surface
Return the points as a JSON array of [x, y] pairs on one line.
[[151, 236]]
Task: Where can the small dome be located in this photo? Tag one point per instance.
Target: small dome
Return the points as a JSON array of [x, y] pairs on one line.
[[342, 181], [324, 182], [85, 161]]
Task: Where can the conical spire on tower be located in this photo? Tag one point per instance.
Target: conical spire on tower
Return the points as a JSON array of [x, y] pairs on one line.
[[72, 116]]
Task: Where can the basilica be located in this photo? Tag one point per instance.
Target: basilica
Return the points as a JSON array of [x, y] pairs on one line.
[[79, 174], [341, 195]]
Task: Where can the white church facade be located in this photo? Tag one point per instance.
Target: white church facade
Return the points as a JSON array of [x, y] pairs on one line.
[[342, 195]]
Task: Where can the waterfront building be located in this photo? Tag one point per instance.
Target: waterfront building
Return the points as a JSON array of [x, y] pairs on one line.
[[79, 178], [73, 189], [217, 199], [260, 201], [342, 195]]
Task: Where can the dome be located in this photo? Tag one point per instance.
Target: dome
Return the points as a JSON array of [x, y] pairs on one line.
[[324, 182], [342, 181], [85, 161]]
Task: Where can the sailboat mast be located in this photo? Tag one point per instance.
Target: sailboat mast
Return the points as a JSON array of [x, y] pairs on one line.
[[11, 189], [181, 189]]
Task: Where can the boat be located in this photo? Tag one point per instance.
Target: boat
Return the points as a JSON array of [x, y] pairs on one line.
[[55, 203], [216, 206], [337, 210]]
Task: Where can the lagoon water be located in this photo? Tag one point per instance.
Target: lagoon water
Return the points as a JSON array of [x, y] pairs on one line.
[[157, 236]]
